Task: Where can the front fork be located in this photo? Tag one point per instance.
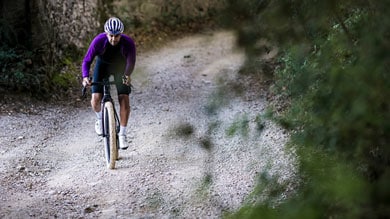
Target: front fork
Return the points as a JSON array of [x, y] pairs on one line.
[[117, 121]]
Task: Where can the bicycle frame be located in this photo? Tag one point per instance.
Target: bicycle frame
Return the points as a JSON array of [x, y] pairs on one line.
[[107, 98], [110, 122]]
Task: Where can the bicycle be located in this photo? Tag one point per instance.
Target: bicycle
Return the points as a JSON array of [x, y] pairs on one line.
[[110, 123]]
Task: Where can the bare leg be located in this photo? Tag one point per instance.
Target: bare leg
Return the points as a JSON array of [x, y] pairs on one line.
[[124, 103], [96, 107], [96, 102]]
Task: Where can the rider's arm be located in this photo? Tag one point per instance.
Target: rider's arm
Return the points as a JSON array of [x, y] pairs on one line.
[[129, 52], [87, 61], [95, 48]]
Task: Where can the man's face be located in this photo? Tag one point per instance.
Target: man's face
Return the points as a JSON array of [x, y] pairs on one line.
[[113, 39]]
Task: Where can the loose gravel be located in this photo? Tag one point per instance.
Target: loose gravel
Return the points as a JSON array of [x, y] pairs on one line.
[[196, 149]]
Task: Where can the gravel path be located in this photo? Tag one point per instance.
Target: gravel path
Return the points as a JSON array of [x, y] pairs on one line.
[[181, 162]]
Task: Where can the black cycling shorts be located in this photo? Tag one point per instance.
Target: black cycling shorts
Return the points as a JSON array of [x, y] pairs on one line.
[[104, 70]]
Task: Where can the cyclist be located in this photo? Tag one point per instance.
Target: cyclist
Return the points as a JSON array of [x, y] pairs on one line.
[[115, 53]]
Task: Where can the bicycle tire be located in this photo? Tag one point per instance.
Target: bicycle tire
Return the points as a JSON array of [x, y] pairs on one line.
[[110, 141]]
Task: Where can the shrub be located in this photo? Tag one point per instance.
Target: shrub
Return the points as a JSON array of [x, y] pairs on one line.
[[334, 69]]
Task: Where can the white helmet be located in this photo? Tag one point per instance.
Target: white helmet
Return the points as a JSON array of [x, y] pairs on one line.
[[114, 26]]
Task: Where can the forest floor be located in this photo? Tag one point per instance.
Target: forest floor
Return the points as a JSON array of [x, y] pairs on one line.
[[52, 162]]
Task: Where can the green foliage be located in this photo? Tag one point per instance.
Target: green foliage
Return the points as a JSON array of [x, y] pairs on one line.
[[203, 191], [23, 71], [240, 125], [330, 189], [63, 80], [335, 71], [217, 100], [260, 124], [340, 94], [16, 69]]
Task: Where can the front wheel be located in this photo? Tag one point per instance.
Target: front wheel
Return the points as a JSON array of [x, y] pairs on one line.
[[109, 135]]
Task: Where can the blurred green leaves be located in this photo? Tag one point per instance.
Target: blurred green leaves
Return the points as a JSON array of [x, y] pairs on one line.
[[240, 125], [334, 71]]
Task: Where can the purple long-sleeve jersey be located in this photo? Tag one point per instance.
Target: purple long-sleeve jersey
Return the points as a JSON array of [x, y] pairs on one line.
[[98, 47]]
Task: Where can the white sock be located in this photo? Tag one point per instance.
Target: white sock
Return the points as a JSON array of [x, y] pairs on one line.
[[122, 130], [99, 115]]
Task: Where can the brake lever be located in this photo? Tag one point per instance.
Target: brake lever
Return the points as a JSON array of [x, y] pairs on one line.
[[83, 91]]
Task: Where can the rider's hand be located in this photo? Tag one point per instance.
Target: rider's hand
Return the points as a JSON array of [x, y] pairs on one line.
[[126, 80], [86, 82]]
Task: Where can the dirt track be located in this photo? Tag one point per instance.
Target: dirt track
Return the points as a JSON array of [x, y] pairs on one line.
[[52, 162]]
